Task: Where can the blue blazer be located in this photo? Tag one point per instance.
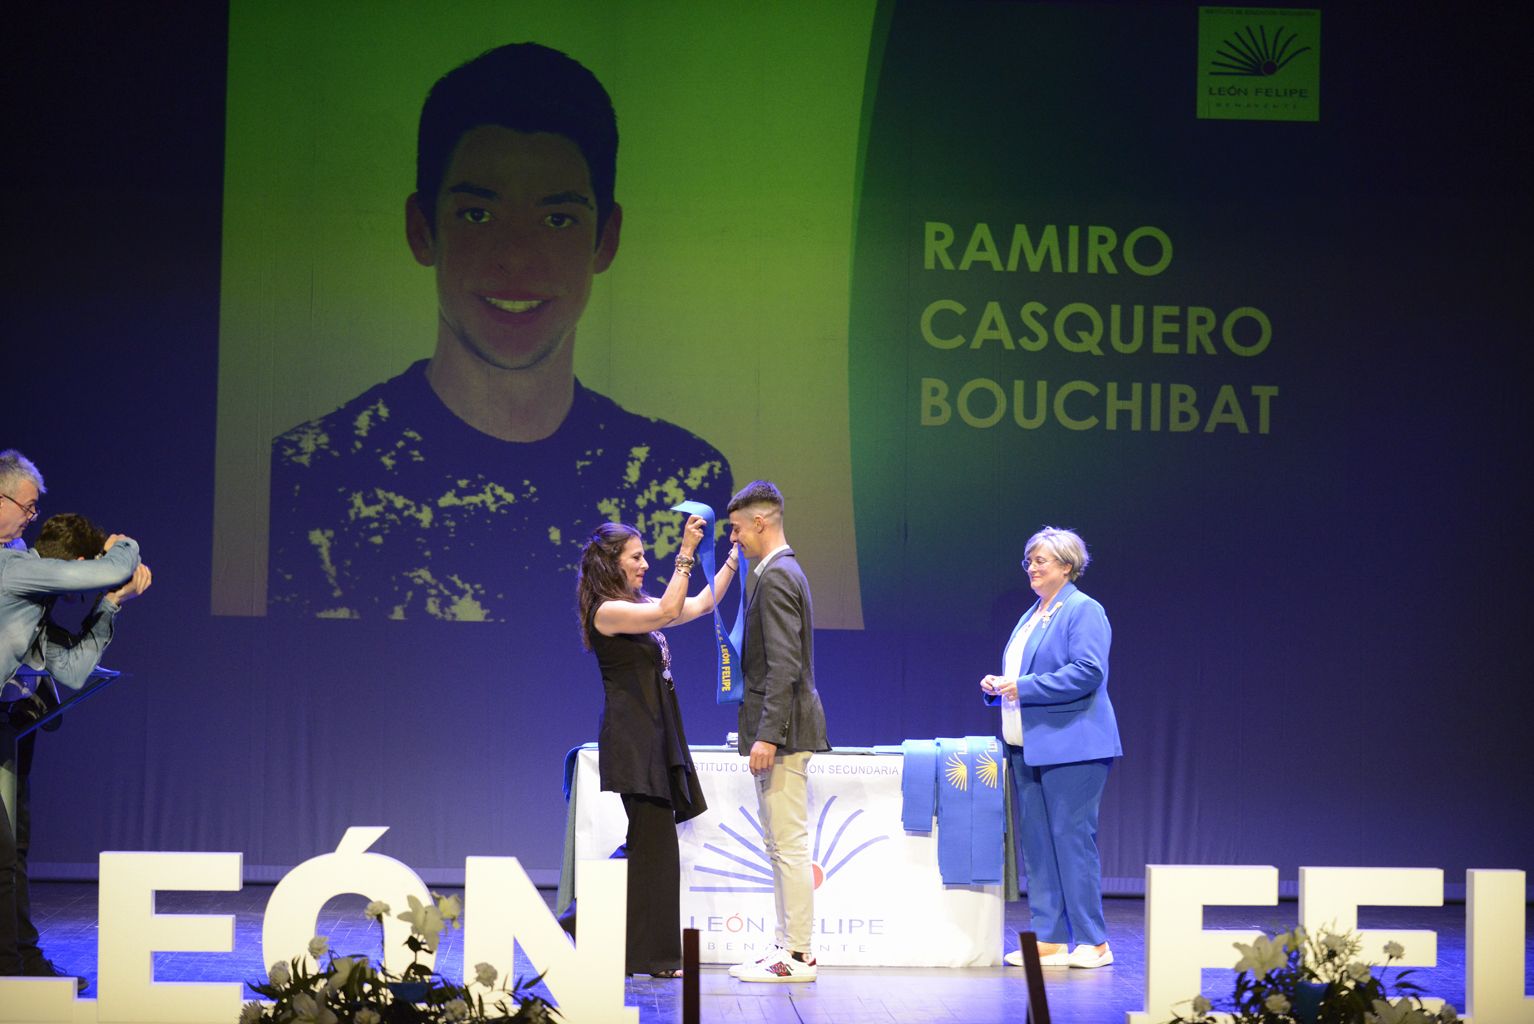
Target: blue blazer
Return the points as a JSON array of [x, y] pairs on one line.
[[1062, 686]]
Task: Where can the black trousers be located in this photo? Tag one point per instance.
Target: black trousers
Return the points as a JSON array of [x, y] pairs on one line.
[[654, 936], [18, 936]]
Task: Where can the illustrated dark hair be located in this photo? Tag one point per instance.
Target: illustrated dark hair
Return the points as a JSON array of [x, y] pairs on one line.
[[70, 535], [601, 575], [526, 87]]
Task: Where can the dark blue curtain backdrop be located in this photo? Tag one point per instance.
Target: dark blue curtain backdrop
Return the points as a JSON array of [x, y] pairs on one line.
[[1321, 647]]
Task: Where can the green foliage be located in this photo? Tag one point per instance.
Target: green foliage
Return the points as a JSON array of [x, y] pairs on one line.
[[1298, 978], [351, 990]]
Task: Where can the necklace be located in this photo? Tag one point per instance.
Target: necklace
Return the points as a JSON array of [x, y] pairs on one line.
[[665, 655]]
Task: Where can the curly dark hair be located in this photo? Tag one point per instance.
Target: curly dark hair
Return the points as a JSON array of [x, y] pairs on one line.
[[601, 576], [70, 535]]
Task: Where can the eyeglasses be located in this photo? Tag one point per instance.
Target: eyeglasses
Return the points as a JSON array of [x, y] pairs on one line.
[[30, 511], [1039, 561]]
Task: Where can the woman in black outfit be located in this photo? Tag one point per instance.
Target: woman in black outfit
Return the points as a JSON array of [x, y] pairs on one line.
[[641, 749]]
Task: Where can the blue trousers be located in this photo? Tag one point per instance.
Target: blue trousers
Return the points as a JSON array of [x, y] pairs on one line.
[[1057, 833]]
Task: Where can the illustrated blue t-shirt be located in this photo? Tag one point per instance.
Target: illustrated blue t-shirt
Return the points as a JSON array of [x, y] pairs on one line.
[[393, 507]]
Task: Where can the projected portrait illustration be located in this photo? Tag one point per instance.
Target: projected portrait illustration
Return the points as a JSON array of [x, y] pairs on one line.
[[458, 334], [470, 481]]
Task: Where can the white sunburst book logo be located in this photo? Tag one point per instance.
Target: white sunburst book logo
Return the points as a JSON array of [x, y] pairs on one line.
[[741, 865]]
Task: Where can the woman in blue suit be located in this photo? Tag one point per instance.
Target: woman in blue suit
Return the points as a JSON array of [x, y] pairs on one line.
[[1061, 737]]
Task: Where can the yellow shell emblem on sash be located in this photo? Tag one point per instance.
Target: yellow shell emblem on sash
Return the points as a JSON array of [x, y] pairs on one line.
[[989, 770], [957, 772]]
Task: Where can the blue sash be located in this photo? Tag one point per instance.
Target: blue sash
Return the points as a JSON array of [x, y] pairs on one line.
[[988, 812], [918, 784], [964, 775], [955, 842], [726, 643]]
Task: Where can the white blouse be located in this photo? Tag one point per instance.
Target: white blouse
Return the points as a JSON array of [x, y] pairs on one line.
[[1011, 668]]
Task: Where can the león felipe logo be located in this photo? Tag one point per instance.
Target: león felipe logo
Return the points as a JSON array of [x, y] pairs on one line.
[[747, 868], [1259, 64], [1253, 53]]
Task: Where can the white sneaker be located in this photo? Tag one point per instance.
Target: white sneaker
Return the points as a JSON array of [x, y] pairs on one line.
[[741, 968], [1088, 956], [783, 966], [1060, 959]]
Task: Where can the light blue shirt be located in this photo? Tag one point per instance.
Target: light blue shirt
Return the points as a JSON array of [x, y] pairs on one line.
[[28, 585]]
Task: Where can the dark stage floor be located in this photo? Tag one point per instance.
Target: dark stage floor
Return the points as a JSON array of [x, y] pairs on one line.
[[66, 914]]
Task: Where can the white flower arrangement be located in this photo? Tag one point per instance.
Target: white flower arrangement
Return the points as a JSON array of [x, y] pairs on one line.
[[1294, 977], [351, 990]]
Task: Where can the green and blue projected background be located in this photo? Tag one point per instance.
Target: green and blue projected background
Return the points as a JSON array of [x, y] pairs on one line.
[[1236, 293], [736, 173]]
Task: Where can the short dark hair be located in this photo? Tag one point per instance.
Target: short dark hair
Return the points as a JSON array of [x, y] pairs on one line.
[[757, 492], [526, 87], [70, 535]]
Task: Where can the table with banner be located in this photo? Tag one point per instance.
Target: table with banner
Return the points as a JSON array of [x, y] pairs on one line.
[[880, 899]]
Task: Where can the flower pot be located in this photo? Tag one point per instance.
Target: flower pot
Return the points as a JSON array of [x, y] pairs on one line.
[[410, 991], [1307, 1001]]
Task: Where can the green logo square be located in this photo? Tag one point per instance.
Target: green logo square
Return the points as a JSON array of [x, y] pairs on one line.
[[1259, 64]]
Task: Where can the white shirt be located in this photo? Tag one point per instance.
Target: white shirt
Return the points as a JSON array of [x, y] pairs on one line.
[[1011, 668], [768, 557]]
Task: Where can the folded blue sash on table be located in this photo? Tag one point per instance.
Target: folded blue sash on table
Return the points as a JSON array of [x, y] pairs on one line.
[[960, 781]]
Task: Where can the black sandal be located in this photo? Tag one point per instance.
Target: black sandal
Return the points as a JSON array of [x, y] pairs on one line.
[[675, 972]]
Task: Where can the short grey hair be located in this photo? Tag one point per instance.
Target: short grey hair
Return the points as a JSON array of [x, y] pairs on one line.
[[1064, 545], [16, 467]]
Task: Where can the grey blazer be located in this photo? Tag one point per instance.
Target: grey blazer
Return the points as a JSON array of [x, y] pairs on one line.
[[781, 705]]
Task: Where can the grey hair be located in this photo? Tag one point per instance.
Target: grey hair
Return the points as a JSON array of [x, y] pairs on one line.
[[1064, 545], [15, 467]]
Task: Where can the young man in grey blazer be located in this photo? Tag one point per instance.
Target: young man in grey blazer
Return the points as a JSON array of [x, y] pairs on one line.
[[781, 722]]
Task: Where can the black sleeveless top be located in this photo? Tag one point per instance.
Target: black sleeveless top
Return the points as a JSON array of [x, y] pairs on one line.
[[641, 748]]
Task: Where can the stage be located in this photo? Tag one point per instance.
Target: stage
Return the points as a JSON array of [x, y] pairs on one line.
[[66, 913]]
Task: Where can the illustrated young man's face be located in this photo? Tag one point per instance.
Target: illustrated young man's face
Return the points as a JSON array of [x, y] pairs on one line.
[[515, 247]]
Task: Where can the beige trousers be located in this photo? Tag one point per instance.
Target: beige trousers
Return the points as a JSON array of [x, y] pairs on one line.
[[783, 800]]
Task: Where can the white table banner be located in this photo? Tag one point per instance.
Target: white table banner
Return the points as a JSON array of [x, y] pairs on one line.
[[879, 900]]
